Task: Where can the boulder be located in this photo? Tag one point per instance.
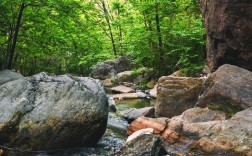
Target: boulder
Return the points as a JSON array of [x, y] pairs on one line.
[[181, 133], [103, 71], [122, 89], [151, 84], [8, 75], [177, 94], [229, 29], [45, 112], [145, 144], [109, 69], [231, 136], [133, 113], [123, 77], [228, 89]]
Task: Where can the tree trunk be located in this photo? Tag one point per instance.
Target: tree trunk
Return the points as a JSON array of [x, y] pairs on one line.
[[160, 42], [109, 25], [12, 50]]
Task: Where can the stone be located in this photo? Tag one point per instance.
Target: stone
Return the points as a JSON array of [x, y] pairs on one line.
[[122, 89], [158, 124], [138, 133], [151, 84], [125, 76], [112, 105], [103, 71], [228, 89], [45, 112], [233, 135], [125, 96], [229, 29], [177, 94], [181, 133], [153, 92], [117, 124], [8, 75], [107, 82], [145, 144], [109, 69], [133, 113]]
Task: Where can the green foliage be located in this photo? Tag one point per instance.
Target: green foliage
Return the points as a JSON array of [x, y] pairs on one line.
[[72, 35]]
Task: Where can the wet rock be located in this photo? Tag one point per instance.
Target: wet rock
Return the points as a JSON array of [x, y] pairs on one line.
[[146, 144], [229, 30], [117, 124], [8, 75], [133, 113], [122, 89], [45, 112], [228, 89], [177, 94]]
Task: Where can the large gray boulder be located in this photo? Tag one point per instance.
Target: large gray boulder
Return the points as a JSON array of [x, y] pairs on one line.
[[8, 75], [228, 89], [44, 112]]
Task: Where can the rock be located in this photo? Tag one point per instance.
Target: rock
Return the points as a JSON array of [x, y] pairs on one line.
[[107, 82], [44, 112], [125, 96], [233, 135], [123, 77], [109, 69], [112, 106], [228, 89], [138, 133], [151, 84], [8, 75], [122, 89], [158, 124], [146, 144], [229, 30], [178, 73], [133, 113], [103, 71], [181, 133], [177, 94], [117, 124], [153, 92]]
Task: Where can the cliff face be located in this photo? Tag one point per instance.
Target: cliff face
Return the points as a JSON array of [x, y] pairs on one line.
[[229, 32]]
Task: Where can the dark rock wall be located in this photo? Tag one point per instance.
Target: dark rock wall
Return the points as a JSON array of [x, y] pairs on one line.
[[229, 32]]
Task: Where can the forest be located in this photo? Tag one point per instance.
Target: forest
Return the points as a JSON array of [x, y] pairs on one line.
[[72, 36]]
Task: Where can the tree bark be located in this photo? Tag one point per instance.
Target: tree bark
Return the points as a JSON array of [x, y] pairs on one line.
[[12, 49], [160, 41], [109, 25]]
